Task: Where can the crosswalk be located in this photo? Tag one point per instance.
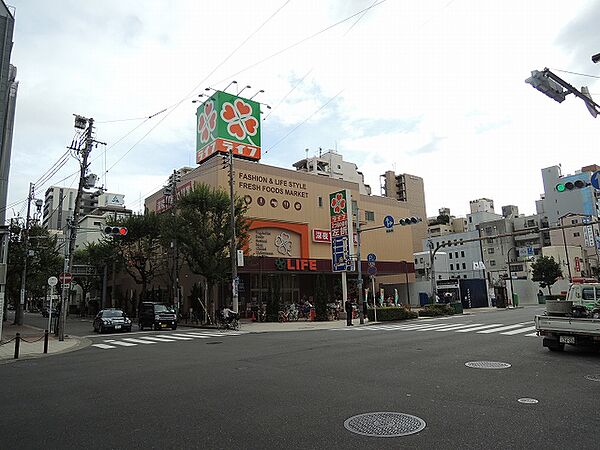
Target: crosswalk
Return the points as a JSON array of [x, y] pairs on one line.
[[163, 338], [521, 329]]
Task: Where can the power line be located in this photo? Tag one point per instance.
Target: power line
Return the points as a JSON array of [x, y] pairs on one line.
[[301, 41], [576, 73], [303, 122]]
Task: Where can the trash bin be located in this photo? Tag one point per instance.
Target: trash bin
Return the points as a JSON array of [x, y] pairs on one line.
[[458, 307], [515, 300], [541, 299]]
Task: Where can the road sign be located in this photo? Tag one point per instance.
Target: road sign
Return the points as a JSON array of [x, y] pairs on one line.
[[372, 270], [595, 180], [52, 281], [388, 222], [371, 257], [65, 278]]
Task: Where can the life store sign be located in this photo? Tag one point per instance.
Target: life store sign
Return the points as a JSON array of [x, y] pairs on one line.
[[227, 123]]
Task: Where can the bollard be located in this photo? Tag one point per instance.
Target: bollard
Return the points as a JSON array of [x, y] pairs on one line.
[[17, 345], [45, 341]]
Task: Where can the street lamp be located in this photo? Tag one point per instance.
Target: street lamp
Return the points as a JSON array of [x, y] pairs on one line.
[[243, 89], [259, 92]]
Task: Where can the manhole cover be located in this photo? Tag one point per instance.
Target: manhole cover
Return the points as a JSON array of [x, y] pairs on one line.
[[384, 424], [593, 377], [487, 365], [529, 401]]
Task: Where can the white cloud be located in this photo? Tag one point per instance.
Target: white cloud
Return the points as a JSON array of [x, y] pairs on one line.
[[433, 88]]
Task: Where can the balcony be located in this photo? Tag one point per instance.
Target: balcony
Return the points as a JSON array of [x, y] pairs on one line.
[[528, 237]]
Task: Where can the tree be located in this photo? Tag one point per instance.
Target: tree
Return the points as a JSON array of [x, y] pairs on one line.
[[139, 250], [44, 261], [546, 271], [204, 231]]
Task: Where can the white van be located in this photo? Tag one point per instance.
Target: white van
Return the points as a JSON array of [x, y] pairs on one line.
[[585, 294]]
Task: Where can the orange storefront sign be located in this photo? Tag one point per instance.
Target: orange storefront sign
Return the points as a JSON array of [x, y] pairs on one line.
[[301, 264]]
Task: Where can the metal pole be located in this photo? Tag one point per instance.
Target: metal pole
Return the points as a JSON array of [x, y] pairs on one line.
[[45, 341], [4, 249], [566, 250], [233, 246], [407, 287], [374, 299], [512, 291], [432, 271], [175, 251], [21, 305], [17, 345], [50, 310], [104, 285], [359, 281]]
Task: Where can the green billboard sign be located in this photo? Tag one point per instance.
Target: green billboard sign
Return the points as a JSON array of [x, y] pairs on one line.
[[226, 122]]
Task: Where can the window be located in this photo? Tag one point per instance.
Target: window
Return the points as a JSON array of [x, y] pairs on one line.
[[576, 234], [451, 266], [462, 254], [492, 263], [421, 260], [588, 293], [320, 202], [354, 206], [98, 224], [464, 266], [416, 262], [573, 221], [456, 255], [490, 251], [470, 219], [450, 255], [370, 216], [464, 276]]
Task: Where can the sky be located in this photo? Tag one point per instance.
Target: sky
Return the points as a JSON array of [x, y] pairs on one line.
[[433, 88]]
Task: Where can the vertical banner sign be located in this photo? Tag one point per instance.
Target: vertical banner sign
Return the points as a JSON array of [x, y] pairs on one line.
[[588, 232], [340, 213], [226, 122]]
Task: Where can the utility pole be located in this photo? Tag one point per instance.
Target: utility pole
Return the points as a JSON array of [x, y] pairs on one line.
[[4, 236], [80, 123], [232, 244], [21, 305], [359, 280], [174, 180]]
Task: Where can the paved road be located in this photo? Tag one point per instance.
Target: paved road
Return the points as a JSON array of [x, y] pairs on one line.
[[296, 389]]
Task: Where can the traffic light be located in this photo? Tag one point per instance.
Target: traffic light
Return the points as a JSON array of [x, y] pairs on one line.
[[545, 85], [570, 185], [115, 231], [409, 220]]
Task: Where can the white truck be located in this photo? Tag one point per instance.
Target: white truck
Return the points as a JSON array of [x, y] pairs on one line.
[[574, 321]]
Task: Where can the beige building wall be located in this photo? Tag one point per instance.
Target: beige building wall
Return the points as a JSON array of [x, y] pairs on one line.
[[277, 195], [410, 191]]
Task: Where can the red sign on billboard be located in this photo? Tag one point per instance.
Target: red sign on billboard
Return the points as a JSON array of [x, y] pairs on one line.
[[321, 235]]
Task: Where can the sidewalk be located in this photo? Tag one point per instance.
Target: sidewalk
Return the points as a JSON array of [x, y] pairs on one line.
[[32, 342], [300, 325]]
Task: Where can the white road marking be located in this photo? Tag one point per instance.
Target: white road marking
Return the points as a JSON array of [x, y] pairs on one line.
[[509, 327], [138, 341], [456, 327], [177, 337], [466, 330], [520, 330], [531, 334], [103, 346], [121, 343], [159, 339]]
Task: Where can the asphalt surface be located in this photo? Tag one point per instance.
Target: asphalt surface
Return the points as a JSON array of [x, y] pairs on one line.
[[296, 389], [76, 326]]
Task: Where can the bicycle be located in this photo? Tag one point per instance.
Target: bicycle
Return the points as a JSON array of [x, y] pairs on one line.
[[231, 323]]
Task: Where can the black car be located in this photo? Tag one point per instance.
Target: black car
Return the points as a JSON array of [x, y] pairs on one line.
[[157, 316], [111, 320], [46, 312]]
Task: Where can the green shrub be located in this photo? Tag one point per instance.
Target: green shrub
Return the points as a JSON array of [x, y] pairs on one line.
[[391, 313], [436, 310]]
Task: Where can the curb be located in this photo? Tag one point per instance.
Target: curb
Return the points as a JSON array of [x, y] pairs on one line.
[[83, 343]]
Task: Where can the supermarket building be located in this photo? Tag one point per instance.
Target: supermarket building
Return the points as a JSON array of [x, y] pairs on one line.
[[289, 228]]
